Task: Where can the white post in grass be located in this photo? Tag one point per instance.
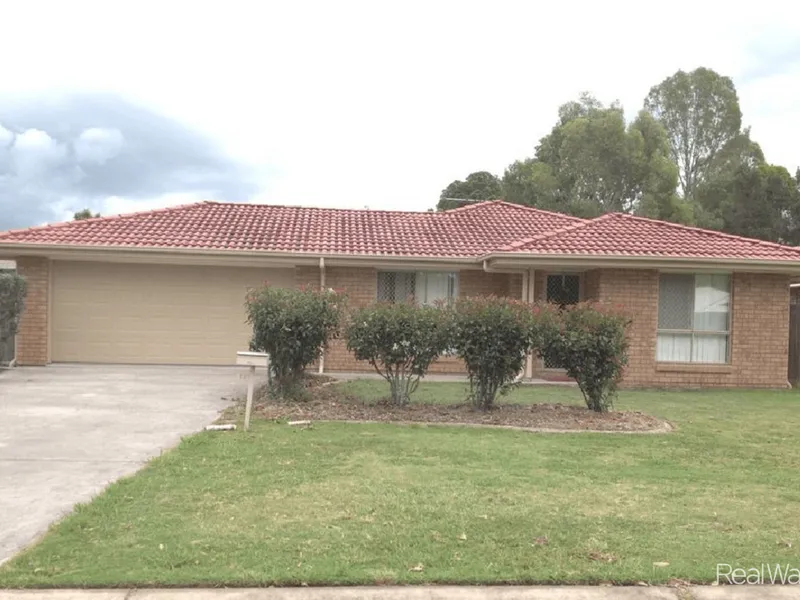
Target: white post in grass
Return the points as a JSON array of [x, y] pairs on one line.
[[252, 360], [248, 408]]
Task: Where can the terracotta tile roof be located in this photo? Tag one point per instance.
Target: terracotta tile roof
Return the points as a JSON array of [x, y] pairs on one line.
[[464, 232], [476, 231], [618, 234]]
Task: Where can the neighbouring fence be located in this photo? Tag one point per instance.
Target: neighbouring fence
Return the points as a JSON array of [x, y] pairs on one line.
[[7, 352], [794, 338], [7, 348]]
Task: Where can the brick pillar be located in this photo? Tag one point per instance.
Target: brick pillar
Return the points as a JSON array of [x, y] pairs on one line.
[[32, 342]]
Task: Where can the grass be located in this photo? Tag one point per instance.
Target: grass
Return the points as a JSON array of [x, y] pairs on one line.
[[363, 504]]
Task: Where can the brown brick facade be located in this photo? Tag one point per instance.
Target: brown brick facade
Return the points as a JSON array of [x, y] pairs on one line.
[[32, 338], [759, 331], [361, 288], [360, 284], [759, 321]]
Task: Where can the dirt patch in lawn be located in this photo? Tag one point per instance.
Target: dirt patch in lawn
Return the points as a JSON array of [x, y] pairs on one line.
[[326, 403]]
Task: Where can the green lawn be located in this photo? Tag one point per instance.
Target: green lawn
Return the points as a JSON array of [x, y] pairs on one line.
[[364, 504]]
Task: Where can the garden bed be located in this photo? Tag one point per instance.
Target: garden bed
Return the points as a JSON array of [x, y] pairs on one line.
[[327, 403]]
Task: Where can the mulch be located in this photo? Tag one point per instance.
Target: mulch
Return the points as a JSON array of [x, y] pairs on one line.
[[326, 403]]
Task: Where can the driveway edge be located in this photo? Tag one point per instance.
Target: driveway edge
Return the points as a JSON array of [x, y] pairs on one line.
[[749, 592]]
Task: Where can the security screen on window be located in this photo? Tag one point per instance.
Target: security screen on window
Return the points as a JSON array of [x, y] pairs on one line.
[[423, 287], [693, 318]]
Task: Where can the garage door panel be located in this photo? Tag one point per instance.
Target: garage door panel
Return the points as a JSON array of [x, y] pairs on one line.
[[156, 314]]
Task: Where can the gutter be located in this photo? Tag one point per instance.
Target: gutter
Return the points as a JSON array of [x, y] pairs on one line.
[[489, 269], [13, 250], [509, 261], [576, 261]]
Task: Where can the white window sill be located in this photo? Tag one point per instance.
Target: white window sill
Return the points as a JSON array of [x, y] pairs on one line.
[[676, 367]]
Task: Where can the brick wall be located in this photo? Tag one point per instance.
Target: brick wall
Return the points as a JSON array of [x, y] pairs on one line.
[[32, 343], [481, 283], [591, 285], [759, 325], [759, 331], [361, 287]]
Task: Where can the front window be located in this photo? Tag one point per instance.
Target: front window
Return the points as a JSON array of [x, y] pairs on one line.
[[693, 318], [424, 287], [563, 289]]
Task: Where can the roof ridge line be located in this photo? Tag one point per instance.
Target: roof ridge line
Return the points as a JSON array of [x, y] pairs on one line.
[[467, 207], [524, 207], [712, 232], [554, 233], [328, 208], [542, 210]]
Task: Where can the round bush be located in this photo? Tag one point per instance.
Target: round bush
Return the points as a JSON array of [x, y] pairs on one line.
[[293, 326], [492, 336], [590, 341], [400, 341]]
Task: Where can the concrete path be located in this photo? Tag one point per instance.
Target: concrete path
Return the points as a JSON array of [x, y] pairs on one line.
[[67, 431], [423, 593]]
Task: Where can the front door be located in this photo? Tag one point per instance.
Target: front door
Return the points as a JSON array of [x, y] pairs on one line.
[[562, 290]]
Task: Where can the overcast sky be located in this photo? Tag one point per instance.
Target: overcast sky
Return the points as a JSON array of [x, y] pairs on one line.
[[130, 105]]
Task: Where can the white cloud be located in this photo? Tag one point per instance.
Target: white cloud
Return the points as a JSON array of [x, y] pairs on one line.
[[65, 208], [35, 153], [6, 137], [97, 145], [114, 205], [359, 103]]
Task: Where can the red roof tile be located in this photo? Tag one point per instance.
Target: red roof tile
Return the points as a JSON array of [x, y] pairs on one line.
[[475, 231], [618, 234], [465, 232]]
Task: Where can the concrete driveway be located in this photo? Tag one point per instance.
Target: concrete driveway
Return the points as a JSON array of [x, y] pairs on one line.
[[67, 431]]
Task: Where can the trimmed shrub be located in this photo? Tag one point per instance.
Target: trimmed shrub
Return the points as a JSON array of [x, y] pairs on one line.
[[492, 336], [293, 326], [590, 341], [400, 341], [12, 300]]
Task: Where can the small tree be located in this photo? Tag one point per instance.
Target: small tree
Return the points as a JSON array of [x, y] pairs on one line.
[[84, 214], [12, 299], [293, 326], [400, 341], [590, 341], [492, 336]]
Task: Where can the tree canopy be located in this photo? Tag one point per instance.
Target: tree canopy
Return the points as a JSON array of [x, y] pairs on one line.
[[700, 112], [593, 162], [481, 185], [84, 214], [685, 158]]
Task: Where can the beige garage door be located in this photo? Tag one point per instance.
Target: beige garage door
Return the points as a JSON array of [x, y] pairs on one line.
[[128, 313]]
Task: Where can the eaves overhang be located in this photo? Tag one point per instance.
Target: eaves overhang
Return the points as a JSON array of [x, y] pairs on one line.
[[520, 261]]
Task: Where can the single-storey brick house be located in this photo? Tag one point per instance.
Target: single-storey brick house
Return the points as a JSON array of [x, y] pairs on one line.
[[167, 286]]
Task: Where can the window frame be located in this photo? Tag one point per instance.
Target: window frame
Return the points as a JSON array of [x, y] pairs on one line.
[[453, 278], [692, 333]]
